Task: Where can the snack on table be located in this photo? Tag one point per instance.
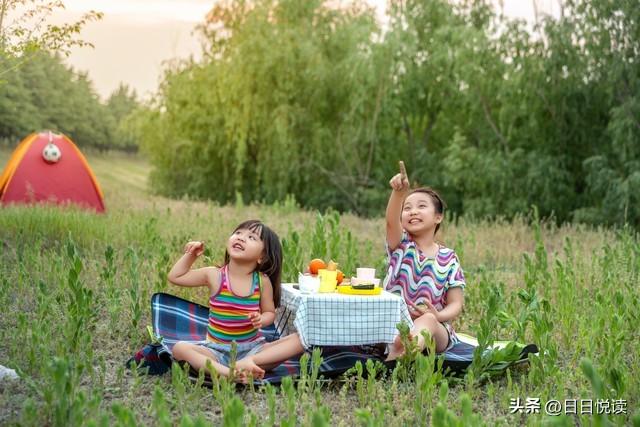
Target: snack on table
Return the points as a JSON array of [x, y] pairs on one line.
[[363, 286], [356, 281], [365, 283]]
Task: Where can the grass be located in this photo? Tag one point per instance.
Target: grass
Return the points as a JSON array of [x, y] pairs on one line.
[[74, 292]]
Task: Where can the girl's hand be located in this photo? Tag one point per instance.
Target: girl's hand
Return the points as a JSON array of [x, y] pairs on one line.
[[256, 319], [419, 310], [194, 248], [399, 183]]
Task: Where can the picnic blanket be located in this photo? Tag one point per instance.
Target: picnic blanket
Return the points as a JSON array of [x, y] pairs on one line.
[[176, 319]]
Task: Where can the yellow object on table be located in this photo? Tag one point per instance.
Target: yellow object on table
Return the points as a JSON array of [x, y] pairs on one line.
[[328, 280], [346, 289]]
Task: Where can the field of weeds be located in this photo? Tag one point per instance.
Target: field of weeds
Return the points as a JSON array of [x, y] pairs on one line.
[[75, 289]]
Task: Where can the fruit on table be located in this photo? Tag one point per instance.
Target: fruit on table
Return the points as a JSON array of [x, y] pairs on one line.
[[332, 266], [340, 277], [315, 265]]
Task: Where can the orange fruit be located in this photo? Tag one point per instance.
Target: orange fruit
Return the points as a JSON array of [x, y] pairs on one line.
[[315, 265], [340, 276]]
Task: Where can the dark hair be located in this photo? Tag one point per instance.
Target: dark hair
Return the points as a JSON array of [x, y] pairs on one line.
[[438, 203], [271, 264]]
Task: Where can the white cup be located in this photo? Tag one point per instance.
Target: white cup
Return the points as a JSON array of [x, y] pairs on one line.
[[366, 273], [308, 284]]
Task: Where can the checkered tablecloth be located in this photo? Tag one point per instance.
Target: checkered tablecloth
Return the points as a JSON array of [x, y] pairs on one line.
[[339, 319]]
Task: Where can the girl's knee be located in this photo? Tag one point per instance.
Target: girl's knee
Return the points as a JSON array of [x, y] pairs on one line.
[[428, 319], [180, 350], [432, 317]]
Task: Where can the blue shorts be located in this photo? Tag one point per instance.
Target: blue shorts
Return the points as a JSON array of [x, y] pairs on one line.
[[222, 352], [452, 338]]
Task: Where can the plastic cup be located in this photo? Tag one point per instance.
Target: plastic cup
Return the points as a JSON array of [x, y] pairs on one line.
[[328, 280]]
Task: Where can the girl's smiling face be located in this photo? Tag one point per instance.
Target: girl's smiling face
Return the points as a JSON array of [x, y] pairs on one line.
[[246, 245], [419, 214]]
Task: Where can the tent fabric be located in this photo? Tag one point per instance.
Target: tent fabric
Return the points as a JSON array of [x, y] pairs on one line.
[[28, 178], [176, 319]]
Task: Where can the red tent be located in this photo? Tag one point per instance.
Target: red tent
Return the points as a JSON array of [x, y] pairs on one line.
[[48, 167]]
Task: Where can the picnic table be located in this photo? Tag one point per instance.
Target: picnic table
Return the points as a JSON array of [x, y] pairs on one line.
[[335, 319]]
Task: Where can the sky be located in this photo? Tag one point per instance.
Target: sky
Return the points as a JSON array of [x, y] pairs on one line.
[[135, 38]]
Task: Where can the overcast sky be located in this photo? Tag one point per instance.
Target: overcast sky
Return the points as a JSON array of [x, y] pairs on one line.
[[135, 37]]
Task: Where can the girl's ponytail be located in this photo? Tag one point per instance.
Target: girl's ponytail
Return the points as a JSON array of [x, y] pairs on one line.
[[271, 264]]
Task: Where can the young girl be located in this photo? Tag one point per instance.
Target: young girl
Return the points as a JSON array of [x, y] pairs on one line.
[[426, 274], [244, 294]]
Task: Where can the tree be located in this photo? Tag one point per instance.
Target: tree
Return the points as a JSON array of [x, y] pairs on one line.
[[609, 37], [273, 110], [42, 93], [120, 105], [46, 94], [23, 30], [308, 99]]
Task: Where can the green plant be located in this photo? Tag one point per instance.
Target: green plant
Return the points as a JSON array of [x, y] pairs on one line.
[[290, 416], [319, 239], [80, 305], [233, 413], [63, 398], [292, 257], [136, 293]]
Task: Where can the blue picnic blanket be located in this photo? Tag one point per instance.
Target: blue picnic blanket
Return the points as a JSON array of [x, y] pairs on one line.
[[176, 319]]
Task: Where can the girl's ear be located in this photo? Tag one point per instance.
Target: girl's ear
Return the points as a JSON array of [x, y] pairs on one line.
[[439, 218]]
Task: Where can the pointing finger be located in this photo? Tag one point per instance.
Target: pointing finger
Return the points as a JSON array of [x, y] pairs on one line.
[[403, 170]]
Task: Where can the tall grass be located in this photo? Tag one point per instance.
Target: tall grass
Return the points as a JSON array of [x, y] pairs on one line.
[[75, 288]]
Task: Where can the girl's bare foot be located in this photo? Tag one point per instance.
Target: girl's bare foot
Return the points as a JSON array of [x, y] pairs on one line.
[[246, 367], [396, 349]]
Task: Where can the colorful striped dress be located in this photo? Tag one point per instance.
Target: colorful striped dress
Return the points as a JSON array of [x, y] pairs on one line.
[[228, 312], [417, 277]]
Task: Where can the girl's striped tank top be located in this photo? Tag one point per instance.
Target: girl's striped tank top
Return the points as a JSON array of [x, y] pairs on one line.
[[228, 312]]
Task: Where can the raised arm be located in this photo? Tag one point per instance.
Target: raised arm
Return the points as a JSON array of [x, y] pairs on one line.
[[400, 188], [181, 273]]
